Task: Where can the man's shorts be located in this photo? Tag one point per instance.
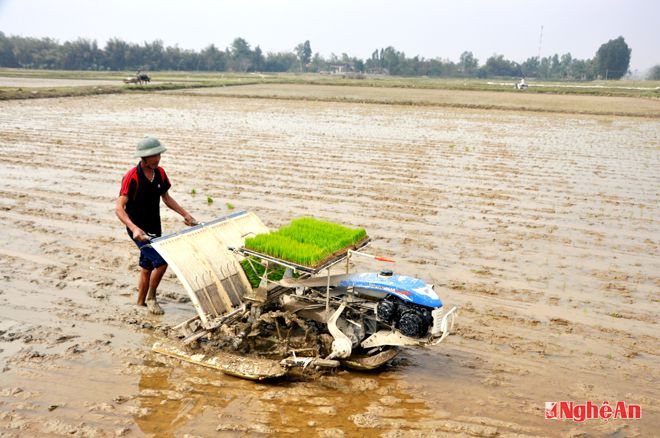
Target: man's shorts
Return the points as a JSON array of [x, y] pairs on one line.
[[149, 257]]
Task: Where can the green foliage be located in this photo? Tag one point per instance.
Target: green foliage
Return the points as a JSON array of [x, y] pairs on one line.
[[7, 57], [304, 53], [240, 55], [496, 65], [193, 191], [213, 59], [230, 206], [255, 270], [468, 64], [613, 59], [654, 73], [306, 241], [209, 200], [281, 61]]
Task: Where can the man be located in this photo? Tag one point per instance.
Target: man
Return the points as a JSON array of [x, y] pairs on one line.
[[138, 207]]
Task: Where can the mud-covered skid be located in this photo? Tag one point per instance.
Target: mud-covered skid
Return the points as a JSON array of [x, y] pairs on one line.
[[308, 319]]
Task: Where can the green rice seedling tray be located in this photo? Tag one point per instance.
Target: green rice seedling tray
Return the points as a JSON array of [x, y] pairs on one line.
[[307, 244]]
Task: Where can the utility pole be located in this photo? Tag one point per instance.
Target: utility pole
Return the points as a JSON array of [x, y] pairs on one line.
[[540, 42]]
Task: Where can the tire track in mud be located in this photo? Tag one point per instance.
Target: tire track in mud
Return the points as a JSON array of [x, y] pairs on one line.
[[523, 221]]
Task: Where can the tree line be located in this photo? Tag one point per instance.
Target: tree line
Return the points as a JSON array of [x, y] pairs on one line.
[[611, 61]]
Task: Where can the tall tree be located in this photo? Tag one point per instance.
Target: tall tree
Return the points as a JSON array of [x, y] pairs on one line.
[[613, 59], [654, 73], [258, 59], [152, 55], [212, 59], [565, 64], [468, 63], [530, 68], [81, 54], [241, 55], [283, 61], [116, 54], [496, 65], [304, 53], [391, 60], [7, 57]]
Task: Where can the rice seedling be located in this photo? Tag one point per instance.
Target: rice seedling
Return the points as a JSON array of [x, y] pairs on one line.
[[193, 191], [254, 270], [230, 206], [209, 200], [306, 241]]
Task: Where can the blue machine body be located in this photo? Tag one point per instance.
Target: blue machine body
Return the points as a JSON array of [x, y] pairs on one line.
[[406, 288]]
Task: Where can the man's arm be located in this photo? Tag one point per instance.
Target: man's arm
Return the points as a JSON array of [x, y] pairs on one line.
[[172, 204], [120, 211]]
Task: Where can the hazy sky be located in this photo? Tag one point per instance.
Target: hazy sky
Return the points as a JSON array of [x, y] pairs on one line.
[[430, 29]]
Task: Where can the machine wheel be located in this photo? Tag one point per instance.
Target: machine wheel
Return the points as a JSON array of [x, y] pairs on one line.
[[414, 321], [386, 311], [411, 324]]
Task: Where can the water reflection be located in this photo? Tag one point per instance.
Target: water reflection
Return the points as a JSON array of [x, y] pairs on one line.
[[177, 398]]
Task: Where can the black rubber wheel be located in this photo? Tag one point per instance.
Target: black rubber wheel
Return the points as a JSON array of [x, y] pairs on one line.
[[412, 324], [386, 311]]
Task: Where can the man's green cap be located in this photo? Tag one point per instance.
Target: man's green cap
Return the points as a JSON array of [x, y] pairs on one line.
[[149, 146]]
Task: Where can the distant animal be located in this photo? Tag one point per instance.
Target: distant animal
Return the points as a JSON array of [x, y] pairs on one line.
[[143, 78], [140, 78]]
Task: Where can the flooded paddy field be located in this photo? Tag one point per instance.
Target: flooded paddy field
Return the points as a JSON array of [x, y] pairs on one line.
[[474, 99], [541, 227]]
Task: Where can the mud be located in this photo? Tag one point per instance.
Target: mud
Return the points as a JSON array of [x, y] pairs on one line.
[[49, 83], [493, 100], [542, 228]]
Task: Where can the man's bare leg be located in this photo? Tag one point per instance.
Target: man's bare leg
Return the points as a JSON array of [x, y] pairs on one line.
[[143, 285], [154, 281]]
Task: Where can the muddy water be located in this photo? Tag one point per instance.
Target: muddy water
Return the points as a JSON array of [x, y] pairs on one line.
[[543, 229]]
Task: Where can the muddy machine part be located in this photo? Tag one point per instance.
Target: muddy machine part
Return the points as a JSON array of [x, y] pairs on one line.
[[209, 271], [312, 320]]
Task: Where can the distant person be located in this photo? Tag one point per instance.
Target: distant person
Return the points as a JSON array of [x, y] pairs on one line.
[[138, 207]]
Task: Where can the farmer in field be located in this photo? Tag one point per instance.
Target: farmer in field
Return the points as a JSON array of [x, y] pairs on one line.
[[138, 207]]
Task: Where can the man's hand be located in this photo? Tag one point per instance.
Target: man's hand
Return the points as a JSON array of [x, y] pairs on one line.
[[139, 235], [189, 220]]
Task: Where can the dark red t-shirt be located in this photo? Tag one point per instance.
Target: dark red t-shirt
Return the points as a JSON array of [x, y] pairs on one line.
[[143, 206]]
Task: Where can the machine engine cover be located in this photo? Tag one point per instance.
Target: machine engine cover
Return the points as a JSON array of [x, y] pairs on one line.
[[410, 289]]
